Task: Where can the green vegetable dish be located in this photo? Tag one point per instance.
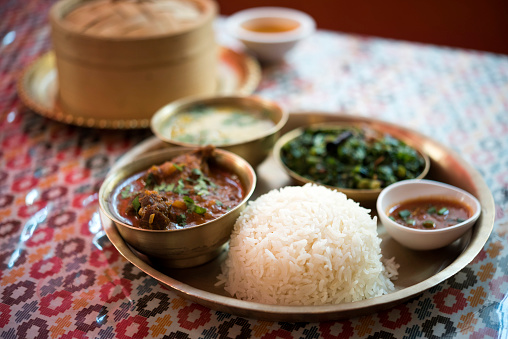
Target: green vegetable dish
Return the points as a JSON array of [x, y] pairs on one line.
[[351, 158]]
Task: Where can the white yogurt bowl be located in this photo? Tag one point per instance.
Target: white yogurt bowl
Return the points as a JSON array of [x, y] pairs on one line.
[[270, 32], [424, 239]]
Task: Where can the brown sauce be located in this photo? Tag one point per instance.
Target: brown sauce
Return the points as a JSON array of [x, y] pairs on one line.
[[187, 191], [430, 213]]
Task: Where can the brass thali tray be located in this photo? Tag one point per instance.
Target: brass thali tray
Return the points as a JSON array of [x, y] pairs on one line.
[[417, 272], [239, 74]]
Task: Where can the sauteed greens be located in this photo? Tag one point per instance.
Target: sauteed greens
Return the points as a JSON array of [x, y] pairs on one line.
[[351, 157]]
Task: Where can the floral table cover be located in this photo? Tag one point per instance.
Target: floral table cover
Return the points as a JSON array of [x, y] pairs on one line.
[[61, 278]]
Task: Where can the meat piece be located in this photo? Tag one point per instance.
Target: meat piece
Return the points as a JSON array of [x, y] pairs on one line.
[[154, 212], [182, 165]]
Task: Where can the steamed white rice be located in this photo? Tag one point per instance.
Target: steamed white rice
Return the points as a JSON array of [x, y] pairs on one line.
[[305, 245]]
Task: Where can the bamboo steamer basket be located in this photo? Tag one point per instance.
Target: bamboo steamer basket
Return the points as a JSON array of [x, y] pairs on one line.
[[124, 75]]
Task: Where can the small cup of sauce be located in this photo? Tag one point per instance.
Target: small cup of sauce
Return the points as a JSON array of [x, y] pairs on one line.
[[270, 32], [425, 214]]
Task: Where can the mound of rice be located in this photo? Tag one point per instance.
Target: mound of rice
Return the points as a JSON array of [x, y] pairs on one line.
[[305, 245]]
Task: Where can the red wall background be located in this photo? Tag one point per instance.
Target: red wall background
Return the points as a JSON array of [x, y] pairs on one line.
[[470, 24]]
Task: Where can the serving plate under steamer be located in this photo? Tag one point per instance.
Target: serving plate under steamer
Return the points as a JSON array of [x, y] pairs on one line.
[[417, 272], [238, 74]]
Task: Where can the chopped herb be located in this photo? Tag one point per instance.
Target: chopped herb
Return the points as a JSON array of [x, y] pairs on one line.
[[150, 179], [392, 217], [410, 222], [202, 187], [135, 204], [459, 220], [181, 219], [126, 192], [178, 167], [197, 171], [164, 187], [209, 182], [180, 188], [200, 210], [203, 192], [192, 207], [218, 203], [188, 201], [432, 210]]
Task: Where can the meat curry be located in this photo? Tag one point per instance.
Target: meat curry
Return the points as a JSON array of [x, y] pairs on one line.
[[187, 191]]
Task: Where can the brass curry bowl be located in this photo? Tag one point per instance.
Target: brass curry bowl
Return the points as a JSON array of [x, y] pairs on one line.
[[367, 197], [254, 149], [185, 247]]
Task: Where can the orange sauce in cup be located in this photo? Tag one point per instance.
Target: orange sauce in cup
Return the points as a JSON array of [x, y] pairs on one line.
[[271, 25], [430, 213]]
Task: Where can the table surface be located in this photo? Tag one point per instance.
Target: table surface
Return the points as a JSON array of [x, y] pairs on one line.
[[61, 278]]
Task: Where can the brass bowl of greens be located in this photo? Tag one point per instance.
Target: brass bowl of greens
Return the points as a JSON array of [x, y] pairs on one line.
[[354, 159], [245, 125]]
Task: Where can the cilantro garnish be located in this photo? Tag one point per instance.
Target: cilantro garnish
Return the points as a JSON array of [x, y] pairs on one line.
[[202, 187], [181, 219], [203, 183], [180, 188], [126, 192], [150, 179], [192, 207], [164, 187], [200, 210], [197, 171], [135, 204]]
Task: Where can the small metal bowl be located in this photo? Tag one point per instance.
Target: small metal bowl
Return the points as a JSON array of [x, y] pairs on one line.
[[253, 149], [366, 197], [184, 247]]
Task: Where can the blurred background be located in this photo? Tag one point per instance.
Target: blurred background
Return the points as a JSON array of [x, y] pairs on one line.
[[471, 24]]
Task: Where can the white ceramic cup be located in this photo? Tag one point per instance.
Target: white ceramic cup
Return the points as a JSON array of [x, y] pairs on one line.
[[270, 46], [419, 239]]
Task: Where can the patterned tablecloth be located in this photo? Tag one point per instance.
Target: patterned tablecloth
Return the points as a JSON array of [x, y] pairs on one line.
[[61, 278]]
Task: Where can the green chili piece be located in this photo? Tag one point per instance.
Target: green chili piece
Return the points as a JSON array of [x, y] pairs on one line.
[[443, 211], [429, 224], [404, 214], [410, 222], [432, 210]]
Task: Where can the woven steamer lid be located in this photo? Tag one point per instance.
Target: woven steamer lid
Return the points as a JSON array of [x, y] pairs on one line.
[[125, 59], [149, 31], [134, 18]]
